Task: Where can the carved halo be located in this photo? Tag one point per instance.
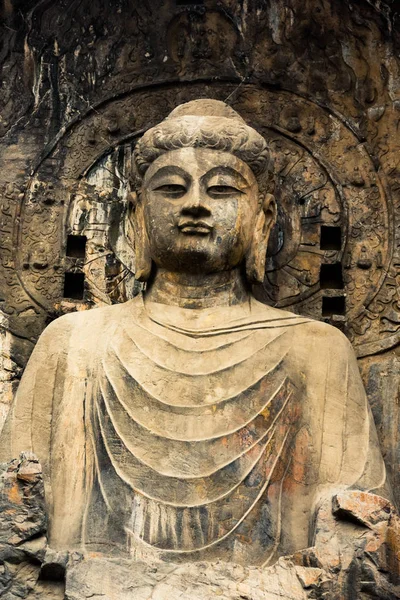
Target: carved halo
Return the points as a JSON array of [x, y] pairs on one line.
[[330, 247]]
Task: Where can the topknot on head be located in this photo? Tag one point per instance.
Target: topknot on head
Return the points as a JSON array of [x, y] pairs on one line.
[[205, 108], [205, 123]]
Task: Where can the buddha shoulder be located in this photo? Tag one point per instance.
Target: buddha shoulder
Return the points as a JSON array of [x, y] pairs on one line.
[[317, 341], [310, 337], [319, 334], [82, 329]]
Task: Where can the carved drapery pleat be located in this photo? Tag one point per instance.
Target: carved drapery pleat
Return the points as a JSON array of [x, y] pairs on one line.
[[192, 430]]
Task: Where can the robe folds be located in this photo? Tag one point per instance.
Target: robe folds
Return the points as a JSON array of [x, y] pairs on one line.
[[192, 434]]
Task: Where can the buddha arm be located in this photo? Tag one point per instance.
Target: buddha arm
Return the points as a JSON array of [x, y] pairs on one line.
[[47, 419], [355, 533], [28, 425], [350, 455]]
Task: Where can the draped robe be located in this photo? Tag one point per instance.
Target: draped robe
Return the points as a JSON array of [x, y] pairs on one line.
[[192, 434]]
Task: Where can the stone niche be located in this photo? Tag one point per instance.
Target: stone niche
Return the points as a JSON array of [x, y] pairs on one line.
[[81, 82]]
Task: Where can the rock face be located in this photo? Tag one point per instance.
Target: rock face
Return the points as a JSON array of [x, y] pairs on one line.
[[235, 445], [23, 527]]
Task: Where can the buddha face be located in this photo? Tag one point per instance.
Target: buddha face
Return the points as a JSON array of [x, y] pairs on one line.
[[200, 208]]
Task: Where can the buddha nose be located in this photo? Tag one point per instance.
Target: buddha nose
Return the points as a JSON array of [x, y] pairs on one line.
[[196, 204]]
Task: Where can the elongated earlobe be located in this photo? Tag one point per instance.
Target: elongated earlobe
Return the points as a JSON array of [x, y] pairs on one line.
[[140, 239], [255, 259], [256, 256]]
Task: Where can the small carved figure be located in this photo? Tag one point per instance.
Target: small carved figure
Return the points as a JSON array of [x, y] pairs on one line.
[[193, 422]]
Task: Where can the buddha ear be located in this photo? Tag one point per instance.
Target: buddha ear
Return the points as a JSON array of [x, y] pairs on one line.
[[137, 235], [255, 259]]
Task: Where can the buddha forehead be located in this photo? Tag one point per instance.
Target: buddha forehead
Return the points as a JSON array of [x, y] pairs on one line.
[[197, 163]]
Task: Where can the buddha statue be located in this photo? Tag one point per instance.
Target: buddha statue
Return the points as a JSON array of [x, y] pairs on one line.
[[194, 423]]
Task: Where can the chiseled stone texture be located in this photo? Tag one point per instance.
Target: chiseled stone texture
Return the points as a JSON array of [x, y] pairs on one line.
[[335, 568], [22, 526], [123, 580]]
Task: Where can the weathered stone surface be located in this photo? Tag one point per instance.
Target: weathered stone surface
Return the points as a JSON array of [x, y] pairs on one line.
[[196, 581], [23, 525], [357, 546], [320, 83], [23, 515]]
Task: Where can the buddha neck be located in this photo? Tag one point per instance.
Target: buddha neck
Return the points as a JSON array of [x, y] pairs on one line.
[[188, 290]]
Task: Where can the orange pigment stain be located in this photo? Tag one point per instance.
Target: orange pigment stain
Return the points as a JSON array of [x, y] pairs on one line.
[[265, 413], [14, 494], [95, 554]]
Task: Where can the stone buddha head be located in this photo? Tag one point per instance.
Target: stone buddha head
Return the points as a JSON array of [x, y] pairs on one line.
[[200, 199]]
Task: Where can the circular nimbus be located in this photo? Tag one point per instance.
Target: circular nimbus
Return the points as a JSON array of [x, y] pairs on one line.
[[332, 237]]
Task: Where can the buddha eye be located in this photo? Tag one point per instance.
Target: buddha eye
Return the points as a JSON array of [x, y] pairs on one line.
[[223, 190], [171, 189]]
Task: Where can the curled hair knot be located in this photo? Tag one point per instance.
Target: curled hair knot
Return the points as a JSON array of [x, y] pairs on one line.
[[205, 124]]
